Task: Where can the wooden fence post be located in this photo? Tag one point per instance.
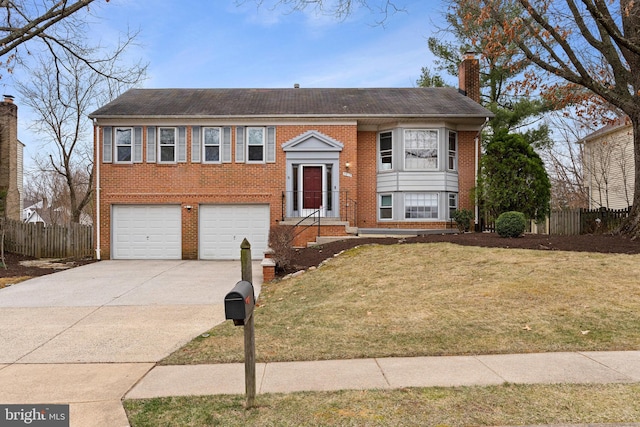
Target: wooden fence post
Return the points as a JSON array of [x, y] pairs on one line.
[[249, 331]]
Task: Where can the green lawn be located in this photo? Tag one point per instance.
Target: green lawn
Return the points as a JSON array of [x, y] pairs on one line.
[[428, 299]]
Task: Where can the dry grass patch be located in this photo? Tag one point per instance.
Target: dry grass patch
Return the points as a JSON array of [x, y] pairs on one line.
[[439, 299], [461, 406], [8, 281]]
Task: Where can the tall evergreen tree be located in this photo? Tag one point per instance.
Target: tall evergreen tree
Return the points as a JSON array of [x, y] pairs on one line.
[[513, 178]]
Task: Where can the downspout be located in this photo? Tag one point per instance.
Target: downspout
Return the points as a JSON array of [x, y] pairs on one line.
[[96, 138], [477, 157]]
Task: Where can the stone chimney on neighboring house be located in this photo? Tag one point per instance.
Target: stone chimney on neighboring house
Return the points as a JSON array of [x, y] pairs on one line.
[[469, 76], [9, 153]]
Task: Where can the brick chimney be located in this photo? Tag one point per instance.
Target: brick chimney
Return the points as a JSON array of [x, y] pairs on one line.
[[469, 76], [9, 156]]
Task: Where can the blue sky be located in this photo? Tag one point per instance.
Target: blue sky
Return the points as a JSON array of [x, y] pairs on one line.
[[216, 43]]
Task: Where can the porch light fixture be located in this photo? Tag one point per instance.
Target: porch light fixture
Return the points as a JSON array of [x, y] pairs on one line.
[[347, 165]]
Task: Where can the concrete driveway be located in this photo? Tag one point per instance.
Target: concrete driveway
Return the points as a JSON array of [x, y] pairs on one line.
[[85, 336]]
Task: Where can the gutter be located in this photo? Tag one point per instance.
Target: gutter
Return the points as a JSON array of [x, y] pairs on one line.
[[477, 160], [96, 138]]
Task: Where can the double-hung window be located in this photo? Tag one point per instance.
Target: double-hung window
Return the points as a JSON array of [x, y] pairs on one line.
[[255, 144], [420, 149], [386, 151], [453, 204], [421, 205], [124, 144], [386, 206], [167, 144], [453, 151], [211, 139]]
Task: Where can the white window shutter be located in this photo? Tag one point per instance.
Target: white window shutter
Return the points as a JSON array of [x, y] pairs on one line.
[[137, 145], [271, 144], [240, 144], [226, 145], [182, 145], [107, 144], [195, 144], [151, 144]]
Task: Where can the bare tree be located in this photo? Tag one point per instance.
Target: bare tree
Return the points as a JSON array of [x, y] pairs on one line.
[[587, 51], [338, 8], [62, 94], [565, 162], [54, 25]]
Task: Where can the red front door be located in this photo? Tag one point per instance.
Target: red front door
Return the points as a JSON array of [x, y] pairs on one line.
[[311, 187]]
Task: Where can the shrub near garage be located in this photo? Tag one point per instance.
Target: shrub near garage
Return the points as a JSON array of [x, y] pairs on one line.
[[511, 224]]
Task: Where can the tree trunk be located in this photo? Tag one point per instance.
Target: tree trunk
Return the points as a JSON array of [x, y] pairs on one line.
[[631, 227]]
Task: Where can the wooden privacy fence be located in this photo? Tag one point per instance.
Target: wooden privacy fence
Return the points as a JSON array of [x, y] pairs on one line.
[[53, 241], [585, 221]]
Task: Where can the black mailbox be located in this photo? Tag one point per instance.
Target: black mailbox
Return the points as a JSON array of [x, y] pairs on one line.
[[239, 303]]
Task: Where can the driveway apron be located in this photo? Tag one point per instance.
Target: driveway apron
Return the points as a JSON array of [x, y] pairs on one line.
[[85, 336]]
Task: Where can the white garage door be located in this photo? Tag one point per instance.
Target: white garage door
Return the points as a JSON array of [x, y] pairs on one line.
[[223, 227], [146, 232]]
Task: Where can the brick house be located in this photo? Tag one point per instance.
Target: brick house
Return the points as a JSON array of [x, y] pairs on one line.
[[189, 173]]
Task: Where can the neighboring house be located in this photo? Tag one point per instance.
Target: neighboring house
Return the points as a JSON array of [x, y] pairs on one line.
[[609, 170], [32, 213], [45, 213], [34, 217], [189, 173], [11, 157]]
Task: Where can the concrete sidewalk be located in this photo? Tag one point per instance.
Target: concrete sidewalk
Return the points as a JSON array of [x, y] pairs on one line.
[[390, 373]]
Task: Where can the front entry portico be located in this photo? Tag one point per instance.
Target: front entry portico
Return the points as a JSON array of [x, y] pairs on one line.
[[313, 181]]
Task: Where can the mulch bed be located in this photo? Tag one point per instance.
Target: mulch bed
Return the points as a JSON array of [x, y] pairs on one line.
[[15, 269], [604, 243], [309, 257]]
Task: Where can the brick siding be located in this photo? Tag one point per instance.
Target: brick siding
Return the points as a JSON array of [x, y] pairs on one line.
[[193, 184]]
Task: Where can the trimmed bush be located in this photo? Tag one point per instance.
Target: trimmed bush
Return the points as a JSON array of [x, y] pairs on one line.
[[280, 238], [511, 224], [463, 218]]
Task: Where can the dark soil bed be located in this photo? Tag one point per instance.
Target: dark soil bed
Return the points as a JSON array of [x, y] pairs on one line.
[[14, 268], [605, 243]]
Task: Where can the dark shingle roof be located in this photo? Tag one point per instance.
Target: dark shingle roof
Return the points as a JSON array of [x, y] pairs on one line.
[[302, 102]]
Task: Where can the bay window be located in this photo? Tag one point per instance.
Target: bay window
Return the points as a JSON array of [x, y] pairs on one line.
[[421, 205], [420, 149]]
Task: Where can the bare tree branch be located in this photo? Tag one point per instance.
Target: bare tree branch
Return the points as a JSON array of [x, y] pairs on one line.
[[62, 94]]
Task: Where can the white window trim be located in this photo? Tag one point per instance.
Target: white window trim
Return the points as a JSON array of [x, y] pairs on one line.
[[380, 164], [264, 144], [404, 207], [115, 145], [455, 159], [449, 205], [380, 207], [204, 146], [175, 145], [404, 150]]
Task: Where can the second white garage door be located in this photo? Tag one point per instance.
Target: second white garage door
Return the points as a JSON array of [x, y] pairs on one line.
[[223, 227]]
